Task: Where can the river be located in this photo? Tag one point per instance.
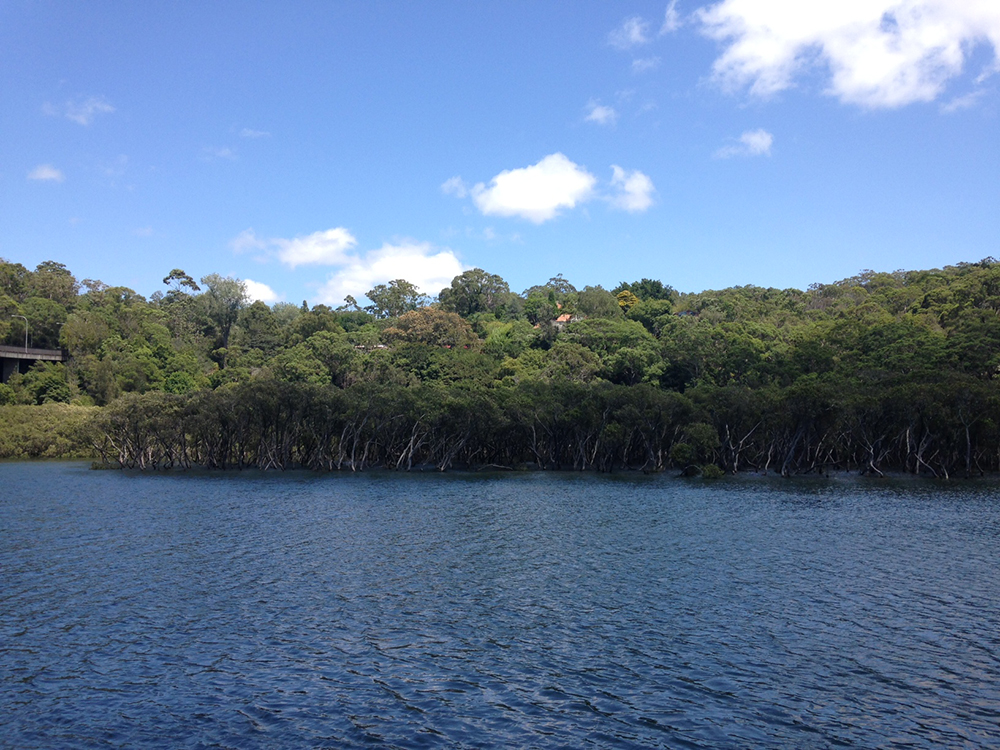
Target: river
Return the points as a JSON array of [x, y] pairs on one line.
[[519, 610]]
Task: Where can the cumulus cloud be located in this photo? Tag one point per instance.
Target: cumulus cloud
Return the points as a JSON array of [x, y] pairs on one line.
[[600, 113], [632, 190], [878, 53], [642, 64], [671, 20], [80, 111], [46, 173], [429, 268], [535, 193], [455, 186], [632, 33], [751, 143], [258, 291], [327, 248]]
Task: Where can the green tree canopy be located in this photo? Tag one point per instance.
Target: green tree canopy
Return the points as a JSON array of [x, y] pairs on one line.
[[474, 291], [430, 326], [395, 298]]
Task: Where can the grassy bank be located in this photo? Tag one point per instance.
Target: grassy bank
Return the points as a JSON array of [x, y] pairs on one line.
[[47, 431]]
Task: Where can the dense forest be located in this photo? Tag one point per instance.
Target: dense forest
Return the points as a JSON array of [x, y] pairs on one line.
[[878, 372]]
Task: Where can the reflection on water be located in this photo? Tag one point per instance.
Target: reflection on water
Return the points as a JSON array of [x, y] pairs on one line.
[[509, 611]]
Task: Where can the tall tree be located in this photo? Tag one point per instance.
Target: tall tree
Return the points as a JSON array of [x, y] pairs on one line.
[[395, 298], [224, 298], [647, 289], [474, 291], [53, 281], [178, 281]]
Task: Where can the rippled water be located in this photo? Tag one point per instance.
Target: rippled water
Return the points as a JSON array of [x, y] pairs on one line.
[[536, 610]]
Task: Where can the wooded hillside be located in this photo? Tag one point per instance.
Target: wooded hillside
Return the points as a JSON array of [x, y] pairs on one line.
[[879, 371]]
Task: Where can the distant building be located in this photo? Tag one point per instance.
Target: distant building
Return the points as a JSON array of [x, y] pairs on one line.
[[562, 320]]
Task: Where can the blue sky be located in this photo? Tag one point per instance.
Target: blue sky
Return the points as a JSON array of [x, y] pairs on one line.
[[317, 148]]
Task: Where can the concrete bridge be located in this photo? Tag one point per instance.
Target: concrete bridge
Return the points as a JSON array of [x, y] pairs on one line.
[[19, 359]]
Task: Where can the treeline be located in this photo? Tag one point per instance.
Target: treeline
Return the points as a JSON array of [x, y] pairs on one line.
[[811, 427], [873, 373]]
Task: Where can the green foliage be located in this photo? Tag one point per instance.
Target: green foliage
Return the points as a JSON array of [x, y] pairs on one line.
[[52, 281], [179, 382], [605, 337], [540, 308], [880, 370], [13, 280], [474, 291], [557, 286], [320, 318], [654, 314], [597, 302], [395, 298], [646, 289], [626, 300], [434, 327], [178, 280], [259, 328], [54, 430], [47, 317], [44, 383], [223, 300], [508, 339], [711, 471]]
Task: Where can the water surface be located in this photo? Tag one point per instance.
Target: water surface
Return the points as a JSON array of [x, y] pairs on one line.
[[529, 610]]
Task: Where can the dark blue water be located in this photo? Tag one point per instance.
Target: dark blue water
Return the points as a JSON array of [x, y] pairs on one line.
[[532, 610]]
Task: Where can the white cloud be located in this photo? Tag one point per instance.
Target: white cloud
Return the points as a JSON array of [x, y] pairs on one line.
[[212, 152], [429, 268], [671, 20], [328, 248], [633, 190], [247, 240], [143, 232], [535, 193], [46, 173], [631, 33], [879, 53], [249, 133], [81, 111], [992, 69], [601, 114], [751, 143], [642, 64], [962, 102], [455, 186], [259, 291]]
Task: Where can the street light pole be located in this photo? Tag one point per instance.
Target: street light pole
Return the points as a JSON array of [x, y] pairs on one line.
[[25, 331]]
